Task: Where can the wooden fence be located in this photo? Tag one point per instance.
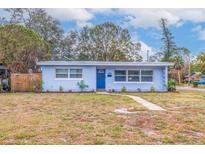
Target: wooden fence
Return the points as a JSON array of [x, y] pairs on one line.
[[22, 82]]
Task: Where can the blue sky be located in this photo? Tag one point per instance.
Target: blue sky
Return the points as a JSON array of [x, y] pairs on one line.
[[187, 25]]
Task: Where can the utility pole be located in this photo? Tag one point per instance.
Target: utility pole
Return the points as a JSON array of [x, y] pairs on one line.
[[189, 69], [147, 55]]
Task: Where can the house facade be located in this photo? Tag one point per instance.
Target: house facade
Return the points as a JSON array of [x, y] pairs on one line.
[[105, 76]]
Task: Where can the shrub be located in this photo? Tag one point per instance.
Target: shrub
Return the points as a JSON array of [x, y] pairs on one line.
[[38, 86], [82, 85], [195, 84], [60, 88], [1, 88], [139, 90], [123, 89], [152, 89], [171, 85]]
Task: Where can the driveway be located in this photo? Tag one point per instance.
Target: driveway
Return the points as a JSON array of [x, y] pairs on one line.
[[190, 88]]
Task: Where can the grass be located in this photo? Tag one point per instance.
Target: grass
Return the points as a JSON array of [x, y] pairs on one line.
[[191, 85], [61, 118], [88, 118], [183, 123]]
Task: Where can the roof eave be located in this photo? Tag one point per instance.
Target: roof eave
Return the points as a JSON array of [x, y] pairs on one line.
[[78, 64]]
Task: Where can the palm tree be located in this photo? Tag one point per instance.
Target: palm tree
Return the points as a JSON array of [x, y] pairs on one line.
[[178, 65]]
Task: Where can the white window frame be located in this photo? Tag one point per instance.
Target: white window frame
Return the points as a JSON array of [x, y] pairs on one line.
[[140, 76], [78, 73], [121, 75], [146, 75], [69, 68], [56, 73], [133, 75]]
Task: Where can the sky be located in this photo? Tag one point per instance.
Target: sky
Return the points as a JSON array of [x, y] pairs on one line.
[[187, 25]]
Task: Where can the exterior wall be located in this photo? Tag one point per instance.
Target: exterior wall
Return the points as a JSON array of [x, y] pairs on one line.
[[159, 80], [51, 83]]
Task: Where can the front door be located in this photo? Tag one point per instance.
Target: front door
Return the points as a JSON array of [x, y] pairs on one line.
[[100, 78]]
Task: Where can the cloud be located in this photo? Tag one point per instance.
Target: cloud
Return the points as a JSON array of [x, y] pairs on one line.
[[146, 18], [200, 32], [83, 24], [144, 49], [105, 11], [70, 14]]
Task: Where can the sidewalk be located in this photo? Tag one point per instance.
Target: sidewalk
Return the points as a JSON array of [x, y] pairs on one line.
[[189, 88]]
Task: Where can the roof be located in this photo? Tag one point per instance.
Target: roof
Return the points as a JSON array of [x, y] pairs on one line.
[[101, 63]]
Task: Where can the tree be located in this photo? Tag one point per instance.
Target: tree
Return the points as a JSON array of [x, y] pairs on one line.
[[169, 45], [85, 48], [17, 15], [21, 47], [199, 64], [107, 42], [47, 27], [68, 46], [39, 21], [178, 65]]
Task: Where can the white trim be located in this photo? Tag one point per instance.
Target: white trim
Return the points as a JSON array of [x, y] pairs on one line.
[[134, 82], [166, 76], [68, 68], [76, 73], [101, 63], [140, 76], [146, 75], [61, 68], [68, 79]]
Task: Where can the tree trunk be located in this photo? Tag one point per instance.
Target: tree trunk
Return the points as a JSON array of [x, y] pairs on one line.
[[179, 77]]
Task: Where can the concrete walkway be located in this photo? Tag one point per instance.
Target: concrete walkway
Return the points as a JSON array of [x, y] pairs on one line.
[[190, 88], [146, 103]]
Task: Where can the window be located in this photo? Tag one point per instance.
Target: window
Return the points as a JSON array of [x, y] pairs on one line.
[[61, 73], [120, 75], [75, 73], [133, 75], [146, 76]]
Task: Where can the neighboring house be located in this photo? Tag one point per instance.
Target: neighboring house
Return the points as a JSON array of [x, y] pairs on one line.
[[195, 76], [203, 77], [108, 76]]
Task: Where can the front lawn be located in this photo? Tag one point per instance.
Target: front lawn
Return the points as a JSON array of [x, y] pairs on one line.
[[65, 118], [184, 123], [88, 118]]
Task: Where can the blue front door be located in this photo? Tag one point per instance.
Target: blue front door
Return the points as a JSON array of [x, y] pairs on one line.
[[100, 78]]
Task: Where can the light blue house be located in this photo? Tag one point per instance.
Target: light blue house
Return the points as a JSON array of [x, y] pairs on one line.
[[108, 76]]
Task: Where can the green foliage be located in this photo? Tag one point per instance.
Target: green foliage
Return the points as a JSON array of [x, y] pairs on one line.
[[40, 22], [199, 65], [171, 85], [107, 42], [178, 62], [152, 89], [1, 88], [38, 86], [82, 85], [61, 88], [168, 41], [178, 65], [123, 89], [20, 47], [195, 84]]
